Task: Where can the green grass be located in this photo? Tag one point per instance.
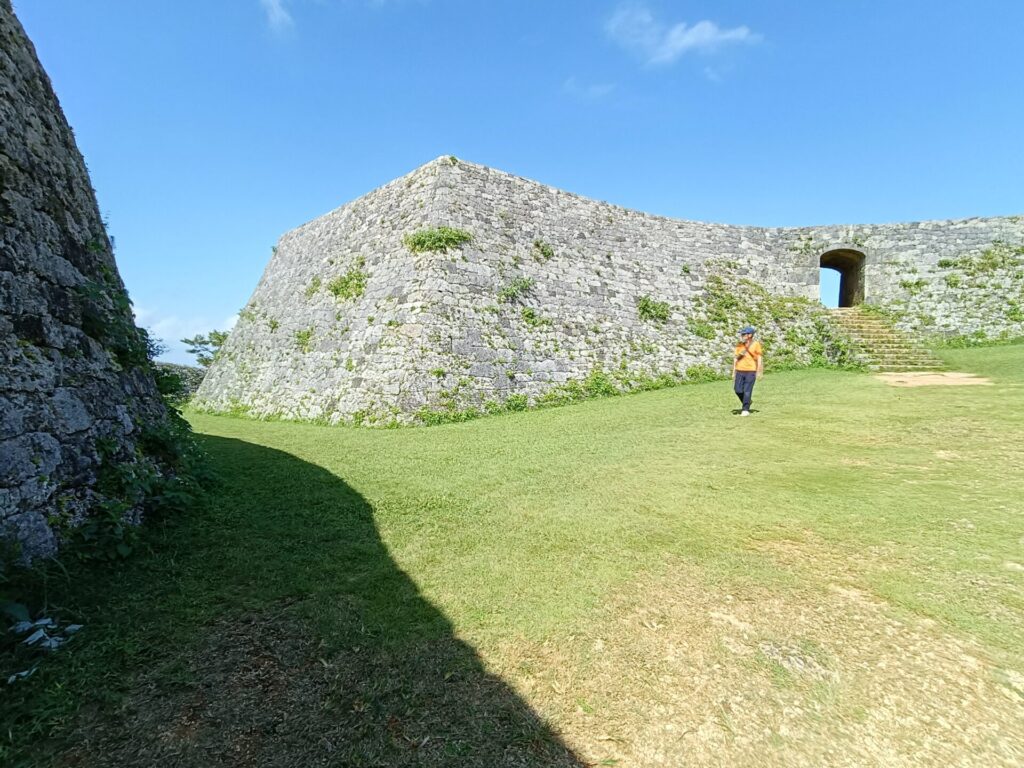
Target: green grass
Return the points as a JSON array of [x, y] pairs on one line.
[[522, 525]]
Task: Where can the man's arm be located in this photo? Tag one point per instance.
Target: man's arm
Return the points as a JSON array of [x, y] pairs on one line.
[[760, 364]]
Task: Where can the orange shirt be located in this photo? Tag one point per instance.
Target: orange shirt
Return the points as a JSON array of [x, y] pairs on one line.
[[749, 361]]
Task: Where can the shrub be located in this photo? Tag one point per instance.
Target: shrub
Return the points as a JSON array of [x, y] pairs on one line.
[[518, 287], [440, 239], [701, 373], [649, 309], [516, 403], [599, 384], [352, 284], [313, 287]]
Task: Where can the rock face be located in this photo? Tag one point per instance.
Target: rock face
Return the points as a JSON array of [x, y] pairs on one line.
[[76, 389], [351, 323]]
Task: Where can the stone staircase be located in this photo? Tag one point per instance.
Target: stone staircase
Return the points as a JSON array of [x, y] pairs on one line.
[[882, 346]]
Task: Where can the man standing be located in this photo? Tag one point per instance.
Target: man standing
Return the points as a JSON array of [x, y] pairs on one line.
[[747, 367]]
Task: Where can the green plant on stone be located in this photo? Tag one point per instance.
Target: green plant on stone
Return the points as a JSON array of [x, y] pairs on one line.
[[313, 287], [248, 314], [542, 251], [274, 324], [439, 239], [701, 329], [517, 288], [532, 319], [350, 285], [304, 340], [651, 310], [804, 246], [913, 287], [999, 256]]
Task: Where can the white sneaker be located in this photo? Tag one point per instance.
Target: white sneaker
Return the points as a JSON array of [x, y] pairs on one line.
[[744, 413]]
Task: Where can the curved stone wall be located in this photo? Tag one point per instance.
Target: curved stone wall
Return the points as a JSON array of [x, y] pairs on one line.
[[439, 330]]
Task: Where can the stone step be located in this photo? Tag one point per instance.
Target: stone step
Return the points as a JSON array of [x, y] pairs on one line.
[[882, 346]]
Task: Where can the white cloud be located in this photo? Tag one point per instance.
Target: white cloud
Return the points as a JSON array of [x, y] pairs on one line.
[[171, 329], [278, 16], [634, 27], [590, 92]]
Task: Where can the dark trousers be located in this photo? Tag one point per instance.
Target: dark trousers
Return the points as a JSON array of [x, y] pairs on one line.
[[743, 385]]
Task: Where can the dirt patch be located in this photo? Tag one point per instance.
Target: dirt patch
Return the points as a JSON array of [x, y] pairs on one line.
[[683, 672], [932, 378]]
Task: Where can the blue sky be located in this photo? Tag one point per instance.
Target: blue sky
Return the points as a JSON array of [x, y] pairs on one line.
[[211, 127]]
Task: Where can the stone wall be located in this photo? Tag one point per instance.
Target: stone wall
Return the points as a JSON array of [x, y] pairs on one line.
[[75, 385], [442, 331]]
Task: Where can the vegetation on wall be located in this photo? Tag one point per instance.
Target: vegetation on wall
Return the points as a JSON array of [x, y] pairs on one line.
[[515, 289], [976, 287], [542, 251], [439, 239], [651, 310], [304, 340], [795, 331], [350, 285], [532, 319]]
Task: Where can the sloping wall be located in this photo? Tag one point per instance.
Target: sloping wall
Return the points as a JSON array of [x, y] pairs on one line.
[[75, 384]]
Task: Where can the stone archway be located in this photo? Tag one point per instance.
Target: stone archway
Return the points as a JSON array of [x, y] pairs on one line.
[[850, 266]]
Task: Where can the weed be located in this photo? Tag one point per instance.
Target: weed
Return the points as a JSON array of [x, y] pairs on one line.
[[352, 284], [304, 340], [542, 251], [517, 288], [532, 319], [701, 329], [913, 287], [651, 310], [439, 239], [702, 373]]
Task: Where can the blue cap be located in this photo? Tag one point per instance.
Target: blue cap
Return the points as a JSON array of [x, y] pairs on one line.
[[747, 329]]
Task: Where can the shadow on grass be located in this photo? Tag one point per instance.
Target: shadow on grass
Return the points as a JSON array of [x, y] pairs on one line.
[[274, 629]]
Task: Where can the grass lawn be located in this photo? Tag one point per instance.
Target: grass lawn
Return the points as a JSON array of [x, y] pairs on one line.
[[837, 580]]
